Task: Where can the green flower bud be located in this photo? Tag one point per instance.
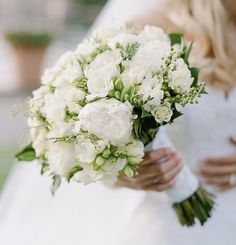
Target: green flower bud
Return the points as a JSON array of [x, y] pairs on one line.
[[126, 97], [112, 93], [100, 161], [106, 153], [117, 95], [132, 160], [129, 171], [119, 86]]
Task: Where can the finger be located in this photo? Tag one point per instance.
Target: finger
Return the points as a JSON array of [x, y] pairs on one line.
[[161, 187], [226, 187], [155, 155], [219, 180], [217, 170], [170, 175], [163, 168], [233, 139], [221, 160]]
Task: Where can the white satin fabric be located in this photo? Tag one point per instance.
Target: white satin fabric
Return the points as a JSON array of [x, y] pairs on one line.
[[98, 215]]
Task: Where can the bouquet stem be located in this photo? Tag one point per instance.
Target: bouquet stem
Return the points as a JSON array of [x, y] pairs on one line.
[[199, 206]]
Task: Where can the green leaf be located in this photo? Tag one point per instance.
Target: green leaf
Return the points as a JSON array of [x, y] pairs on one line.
[[72, 172], [187, 53], [44, 168], [176, 38], [27, 154], [56, 182], [194, 73], [145, 114]]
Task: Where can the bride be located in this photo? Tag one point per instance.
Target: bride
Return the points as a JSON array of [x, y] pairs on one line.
[[122, 216]]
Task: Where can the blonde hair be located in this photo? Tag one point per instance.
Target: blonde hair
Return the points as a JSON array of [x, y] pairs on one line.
[[206, 23]]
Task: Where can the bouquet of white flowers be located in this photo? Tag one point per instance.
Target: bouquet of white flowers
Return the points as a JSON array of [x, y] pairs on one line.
[[101, 104]]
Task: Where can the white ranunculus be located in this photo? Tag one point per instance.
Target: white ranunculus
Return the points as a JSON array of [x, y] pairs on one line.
[[39, 139], [61, 157], [151, 87], [180, 79], [163, 113], [151, 33], [70, 93], [150, 54], [124, 39], [50, 75], [54, 108], [85, 151], [108, 119]]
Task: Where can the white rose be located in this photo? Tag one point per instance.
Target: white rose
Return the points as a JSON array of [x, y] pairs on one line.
[[124, 39], [74, 107], [113, 168], [99, 87], [149, 55], [61, 157], [151, 87], [105, 33], [68, 58], [163, 113], [85, 151], [39, 139], [150, 33], [108, 119], [180, 79], [41, 92], [54, 108]]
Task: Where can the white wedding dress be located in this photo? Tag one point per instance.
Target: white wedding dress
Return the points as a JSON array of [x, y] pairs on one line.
[[97, 214]]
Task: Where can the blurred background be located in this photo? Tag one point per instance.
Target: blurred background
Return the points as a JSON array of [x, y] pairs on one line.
[[33, 34]]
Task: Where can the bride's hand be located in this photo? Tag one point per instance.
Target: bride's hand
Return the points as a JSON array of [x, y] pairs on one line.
[[220, 171], [157, 171]]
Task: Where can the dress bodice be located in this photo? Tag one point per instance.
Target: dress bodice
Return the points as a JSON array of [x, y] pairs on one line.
[[205, 129]]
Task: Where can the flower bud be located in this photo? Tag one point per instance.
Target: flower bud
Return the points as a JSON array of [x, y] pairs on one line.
[[129, 171], [106, 153], [119, 86], [132, 160], [111, 93], [100, 161], [117, 95]]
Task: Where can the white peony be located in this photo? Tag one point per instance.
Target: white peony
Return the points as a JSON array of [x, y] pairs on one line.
[[61, 157], [163, 113], [85, 151], [180, 79], [108, 119], [150, 33]]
